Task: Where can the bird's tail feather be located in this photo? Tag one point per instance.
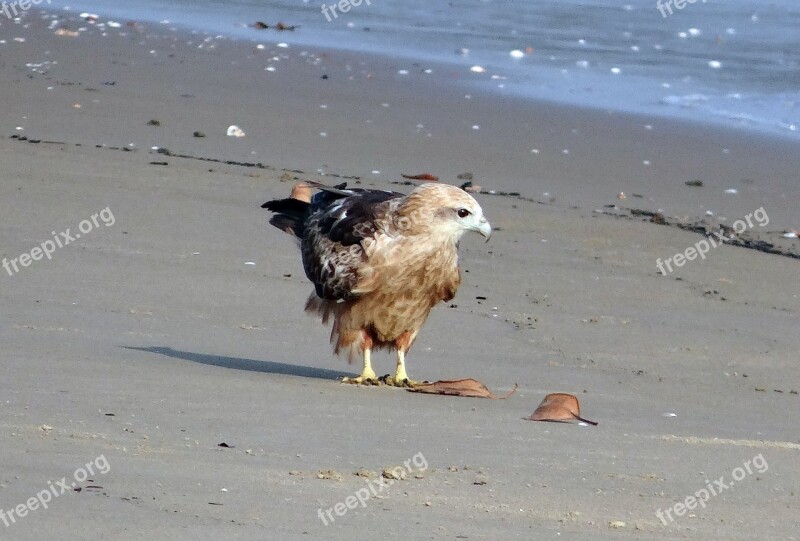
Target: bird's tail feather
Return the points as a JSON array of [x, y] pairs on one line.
[[290, 215]]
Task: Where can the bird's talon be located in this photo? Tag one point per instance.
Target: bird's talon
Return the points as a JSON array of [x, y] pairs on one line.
[[393, 381], [360, 380]]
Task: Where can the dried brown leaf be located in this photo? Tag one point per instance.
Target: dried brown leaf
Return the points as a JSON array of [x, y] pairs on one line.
[[460, 387], [559, 407], [423, 176]]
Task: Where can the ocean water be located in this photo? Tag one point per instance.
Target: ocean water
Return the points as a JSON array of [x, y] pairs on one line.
[[730, 62]]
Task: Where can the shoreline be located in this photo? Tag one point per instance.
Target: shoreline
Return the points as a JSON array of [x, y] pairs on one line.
[[481, 84], [599, 68]]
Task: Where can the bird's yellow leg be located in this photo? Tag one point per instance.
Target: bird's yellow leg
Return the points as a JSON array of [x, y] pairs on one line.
[[367, 376], [400, 378]]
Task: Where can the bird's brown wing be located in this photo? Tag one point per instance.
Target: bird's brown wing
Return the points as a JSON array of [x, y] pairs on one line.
[[338, 223]]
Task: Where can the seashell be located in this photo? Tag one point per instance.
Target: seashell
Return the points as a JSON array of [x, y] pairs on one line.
[[235, 131]]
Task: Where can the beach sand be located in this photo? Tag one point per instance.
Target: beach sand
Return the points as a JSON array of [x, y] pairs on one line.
[[152, 340]]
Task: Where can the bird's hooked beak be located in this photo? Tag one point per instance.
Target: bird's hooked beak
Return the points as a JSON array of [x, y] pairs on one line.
[[484, 228]]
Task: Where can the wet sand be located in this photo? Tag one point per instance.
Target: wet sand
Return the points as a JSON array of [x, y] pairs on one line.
[[152, 340]]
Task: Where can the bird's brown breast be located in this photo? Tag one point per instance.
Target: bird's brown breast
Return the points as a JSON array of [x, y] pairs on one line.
[[404, 295]]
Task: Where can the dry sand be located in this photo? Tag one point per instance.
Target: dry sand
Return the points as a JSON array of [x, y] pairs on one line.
[[152, 341]]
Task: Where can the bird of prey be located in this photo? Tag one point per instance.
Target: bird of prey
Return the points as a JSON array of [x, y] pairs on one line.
[[379, 262]]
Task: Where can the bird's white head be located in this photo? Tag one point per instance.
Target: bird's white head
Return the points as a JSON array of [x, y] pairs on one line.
[[444, 210]]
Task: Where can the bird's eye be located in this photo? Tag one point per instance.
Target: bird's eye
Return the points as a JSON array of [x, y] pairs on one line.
[[463, 213]]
